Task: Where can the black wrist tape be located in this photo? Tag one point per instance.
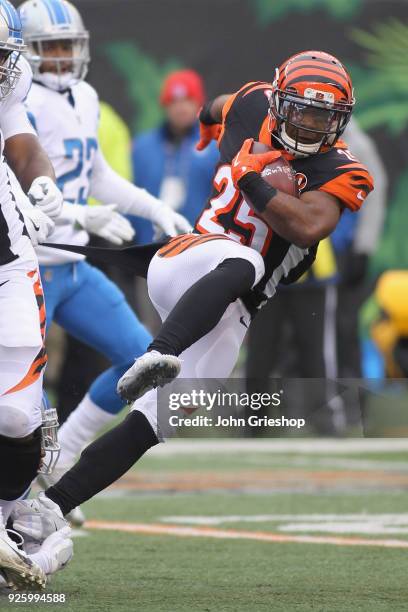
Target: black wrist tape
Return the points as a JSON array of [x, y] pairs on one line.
[[205, 115], [257, 190]]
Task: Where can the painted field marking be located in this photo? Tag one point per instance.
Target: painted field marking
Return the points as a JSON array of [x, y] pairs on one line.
[[394, 519], [231, 534], [361, 523]]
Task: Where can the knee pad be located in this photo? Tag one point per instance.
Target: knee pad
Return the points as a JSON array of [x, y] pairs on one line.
[[15, 422], [23, 457]]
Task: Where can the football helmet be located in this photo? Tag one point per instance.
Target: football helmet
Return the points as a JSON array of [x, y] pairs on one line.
[[311, 102], [50, 21], [11, 45]]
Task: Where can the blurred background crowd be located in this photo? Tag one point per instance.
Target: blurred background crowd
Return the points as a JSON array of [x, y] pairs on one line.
[[154, 66]]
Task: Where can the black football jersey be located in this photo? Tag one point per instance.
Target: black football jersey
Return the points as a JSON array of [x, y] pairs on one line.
[[336, 171]]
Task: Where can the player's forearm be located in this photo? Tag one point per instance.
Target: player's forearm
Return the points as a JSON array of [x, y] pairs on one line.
[[27, 159], [291, 222], [299, 222], [110, 188]]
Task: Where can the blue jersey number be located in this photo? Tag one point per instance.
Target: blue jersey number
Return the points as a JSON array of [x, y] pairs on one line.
[[83, 151]]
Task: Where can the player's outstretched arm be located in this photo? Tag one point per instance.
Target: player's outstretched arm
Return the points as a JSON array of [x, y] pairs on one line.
[[107, 187]]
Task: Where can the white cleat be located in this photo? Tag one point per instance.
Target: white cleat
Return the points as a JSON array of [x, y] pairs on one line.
[[149, 371], [76, 517], [59, 549], [17, 569]]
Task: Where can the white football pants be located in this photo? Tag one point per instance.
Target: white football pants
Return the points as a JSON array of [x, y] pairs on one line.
[[215, 354]]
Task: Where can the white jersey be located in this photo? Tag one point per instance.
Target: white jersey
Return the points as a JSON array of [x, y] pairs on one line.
[[67, 125], [14, 241]]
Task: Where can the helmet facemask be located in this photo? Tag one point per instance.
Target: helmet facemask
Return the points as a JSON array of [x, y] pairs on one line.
[[50, 446], [9, 72], [55, 71], [305, 123]]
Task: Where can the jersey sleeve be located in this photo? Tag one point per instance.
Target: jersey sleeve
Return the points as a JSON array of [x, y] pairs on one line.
[[13, 113], [244, 115], [351, 183]]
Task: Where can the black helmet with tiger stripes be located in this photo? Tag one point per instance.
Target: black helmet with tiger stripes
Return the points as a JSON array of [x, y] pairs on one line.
[[311, 102]]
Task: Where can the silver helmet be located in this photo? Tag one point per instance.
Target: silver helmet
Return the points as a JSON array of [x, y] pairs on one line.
[[47, 21], [11, 45]]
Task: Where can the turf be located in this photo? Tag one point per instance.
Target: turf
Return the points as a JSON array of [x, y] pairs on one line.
[[127, 571]]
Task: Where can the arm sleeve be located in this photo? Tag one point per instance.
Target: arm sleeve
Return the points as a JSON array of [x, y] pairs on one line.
[[108, 187]]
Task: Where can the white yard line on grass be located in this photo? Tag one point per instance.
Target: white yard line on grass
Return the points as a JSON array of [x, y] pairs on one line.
[[362, 523], [230, 534], [390, 519]]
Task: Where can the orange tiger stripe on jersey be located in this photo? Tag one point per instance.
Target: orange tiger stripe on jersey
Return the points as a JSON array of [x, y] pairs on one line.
[[227, 106], [174, 243], [40, 360], [263, 85], [264, 132], [175, 247], [352, 187]]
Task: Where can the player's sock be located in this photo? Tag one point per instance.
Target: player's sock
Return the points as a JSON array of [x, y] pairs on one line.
[[203, 305], [80, 428], [104, 461]]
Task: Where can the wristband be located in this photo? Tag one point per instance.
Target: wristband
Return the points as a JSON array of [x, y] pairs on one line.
[[258, 191], [205, 115]]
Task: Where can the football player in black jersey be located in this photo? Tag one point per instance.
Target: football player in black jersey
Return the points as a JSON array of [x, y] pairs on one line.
[[249, 238]]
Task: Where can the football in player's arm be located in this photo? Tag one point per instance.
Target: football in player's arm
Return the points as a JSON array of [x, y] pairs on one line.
[[303, 225]]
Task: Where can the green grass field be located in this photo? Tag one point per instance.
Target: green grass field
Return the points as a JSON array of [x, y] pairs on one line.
[[217, 528]]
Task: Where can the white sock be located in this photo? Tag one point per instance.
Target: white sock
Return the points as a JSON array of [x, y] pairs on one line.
[[80, 429]]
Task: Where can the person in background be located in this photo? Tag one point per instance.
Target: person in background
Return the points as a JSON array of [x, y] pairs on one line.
[[81, 364], [386, 322], [294, 336], [355, 240], [165, 160]]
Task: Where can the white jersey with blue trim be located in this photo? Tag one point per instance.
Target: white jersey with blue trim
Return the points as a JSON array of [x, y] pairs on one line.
[[67, 125], [14, 241]]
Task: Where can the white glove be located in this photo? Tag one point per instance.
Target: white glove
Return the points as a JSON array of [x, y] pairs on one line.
[[59, 549], [38, 225], [168, 222], [37, 518], [45, 194], [105, 222]]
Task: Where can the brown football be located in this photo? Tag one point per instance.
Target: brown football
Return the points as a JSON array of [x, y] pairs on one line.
[[279, 173]]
